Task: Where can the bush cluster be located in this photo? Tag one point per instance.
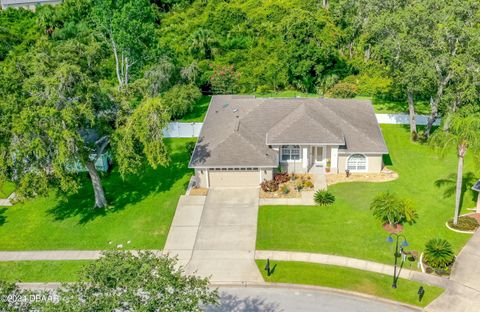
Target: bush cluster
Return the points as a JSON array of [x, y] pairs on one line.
[[438, 254], [323, 198], [343, 90]]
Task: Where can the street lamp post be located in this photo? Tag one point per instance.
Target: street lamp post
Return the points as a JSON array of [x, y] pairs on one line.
[[398, 253]]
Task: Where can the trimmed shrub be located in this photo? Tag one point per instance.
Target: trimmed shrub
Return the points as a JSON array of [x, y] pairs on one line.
[[299, 185], [308, 184], [282, 177], [269, 186], [343, 90], [388, 208], [438, 254], [465, 223], [284, 189], [323, 198]]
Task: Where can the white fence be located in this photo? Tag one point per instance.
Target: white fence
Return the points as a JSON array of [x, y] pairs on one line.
[[192, 129], [402, 119], [183, 130]]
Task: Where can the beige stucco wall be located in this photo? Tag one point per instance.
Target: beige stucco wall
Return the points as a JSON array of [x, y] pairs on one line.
[[266, 174], [374, 163], [292, 167], [201, 177]]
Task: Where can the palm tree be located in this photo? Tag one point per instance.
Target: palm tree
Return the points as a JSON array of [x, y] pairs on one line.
[[201, 42], [463, 133]]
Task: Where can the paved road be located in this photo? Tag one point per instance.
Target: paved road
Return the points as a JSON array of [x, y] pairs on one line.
[[225, 243], [256, 299]]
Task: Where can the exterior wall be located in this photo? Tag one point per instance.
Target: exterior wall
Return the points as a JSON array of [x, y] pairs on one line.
[[293, 167], [266, 174], [201, 177], [374, 163]]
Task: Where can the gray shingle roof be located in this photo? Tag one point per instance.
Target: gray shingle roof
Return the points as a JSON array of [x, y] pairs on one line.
[[238, 130]]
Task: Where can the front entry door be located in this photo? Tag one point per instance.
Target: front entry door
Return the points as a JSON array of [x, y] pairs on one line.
[[318, 155]]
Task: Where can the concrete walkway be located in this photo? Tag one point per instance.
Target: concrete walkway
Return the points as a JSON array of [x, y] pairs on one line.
[[351, 263], [225, 243], [463, 295], [183, 231]]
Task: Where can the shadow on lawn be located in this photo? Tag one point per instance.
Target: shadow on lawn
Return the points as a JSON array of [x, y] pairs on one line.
[[3, 219], [449, 185], [121, 193]]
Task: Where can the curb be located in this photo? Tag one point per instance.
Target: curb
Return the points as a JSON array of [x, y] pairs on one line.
[[319, 289]]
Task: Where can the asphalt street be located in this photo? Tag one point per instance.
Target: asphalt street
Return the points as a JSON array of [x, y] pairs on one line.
[[256, 299]]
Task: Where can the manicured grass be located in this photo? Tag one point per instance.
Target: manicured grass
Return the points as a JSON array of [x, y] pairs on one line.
[[6, 189], [41, 271], [142, 208], [286, 94], [199, 110], [349, 279], [348, 228], [393, 107]]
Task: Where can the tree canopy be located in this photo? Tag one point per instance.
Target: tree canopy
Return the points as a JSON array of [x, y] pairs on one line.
[[86, 77]]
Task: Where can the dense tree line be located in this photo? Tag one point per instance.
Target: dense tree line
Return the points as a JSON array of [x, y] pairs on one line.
[[84, 76]]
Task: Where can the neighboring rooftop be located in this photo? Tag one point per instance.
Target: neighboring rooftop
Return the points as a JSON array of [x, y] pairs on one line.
[[238, 130]]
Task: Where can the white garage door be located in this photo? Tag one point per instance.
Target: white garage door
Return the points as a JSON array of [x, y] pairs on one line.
[[234, 178]]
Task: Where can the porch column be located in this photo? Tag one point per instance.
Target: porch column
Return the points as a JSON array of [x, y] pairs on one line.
[[334, 159], [305, 158]]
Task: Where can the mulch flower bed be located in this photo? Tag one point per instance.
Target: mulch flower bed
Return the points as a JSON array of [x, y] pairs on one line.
[[393, 229], [384, 176]]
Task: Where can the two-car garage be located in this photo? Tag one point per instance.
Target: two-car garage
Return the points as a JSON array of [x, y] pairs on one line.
[[234, 177], [229, 177]]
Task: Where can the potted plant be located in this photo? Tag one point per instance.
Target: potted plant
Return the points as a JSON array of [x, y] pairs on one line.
[[327, 167]]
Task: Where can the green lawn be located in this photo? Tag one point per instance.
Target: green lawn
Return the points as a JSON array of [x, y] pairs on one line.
[[142, 208], [41, 271], [375, 284], [392, 107], [6, 189], [199, 110], [348, 228]]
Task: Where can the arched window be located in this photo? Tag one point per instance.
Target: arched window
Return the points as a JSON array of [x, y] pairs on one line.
[[357, 162]]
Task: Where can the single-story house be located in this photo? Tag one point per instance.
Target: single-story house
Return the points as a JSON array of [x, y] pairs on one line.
[[244, 139]]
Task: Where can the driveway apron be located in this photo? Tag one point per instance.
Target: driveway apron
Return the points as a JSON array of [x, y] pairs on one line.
[[224, 248]]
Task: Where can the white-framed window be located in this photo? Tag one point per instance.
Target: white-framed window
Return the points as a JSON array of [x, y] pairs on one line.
[[357, 162], [290, 152]]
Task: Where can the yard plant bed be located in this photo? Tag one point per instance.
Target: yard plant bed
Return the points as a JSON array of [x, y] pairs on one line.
[[348, 227], [141, 211], [465, 223], [370, 283], [289, 189], [385, 176]]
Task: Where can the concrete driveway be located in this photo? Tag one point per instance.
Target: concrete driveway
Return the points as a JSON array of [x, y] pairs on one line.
[[224, 248]]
